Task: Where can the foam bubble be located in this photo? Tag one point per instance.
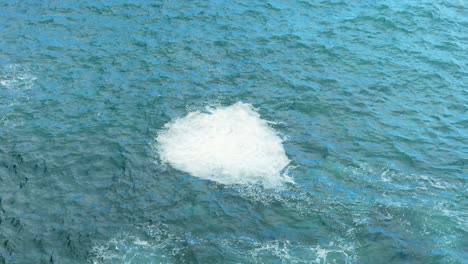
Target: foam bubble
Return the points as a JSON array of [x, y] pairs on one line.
[[229, 145]]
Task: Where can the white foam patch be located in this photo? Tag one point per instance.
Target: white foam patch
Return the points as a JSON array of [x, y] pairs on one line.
[[229, 145]]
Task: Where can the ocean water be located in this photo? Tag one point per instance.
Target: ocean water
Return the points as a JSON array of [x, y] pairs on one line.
[[362, 105]]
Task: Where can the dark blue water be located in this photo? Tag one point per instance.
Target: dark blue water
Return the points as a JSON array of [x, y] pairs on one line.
[[372, 97]]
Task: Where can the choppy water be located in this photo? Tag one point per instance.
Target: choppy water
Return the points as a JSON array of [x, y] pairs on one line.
[[371, 98]]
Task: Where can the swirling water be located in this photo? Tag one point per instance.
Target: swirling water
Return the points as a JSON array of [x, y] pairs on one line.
[[371, 98]]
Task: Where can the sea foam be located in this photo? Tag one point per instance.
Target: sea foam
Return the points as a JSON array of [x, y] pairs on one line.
[[229, 145]]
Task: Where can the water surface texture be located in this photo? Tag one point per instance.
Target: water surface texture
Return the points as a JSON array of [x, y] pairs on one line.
[[371, 99]]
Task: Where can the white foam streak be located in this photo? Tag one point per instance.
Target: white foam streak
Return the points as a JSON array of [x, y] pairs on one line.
[[160, 245], [13, 77], [230, 145]]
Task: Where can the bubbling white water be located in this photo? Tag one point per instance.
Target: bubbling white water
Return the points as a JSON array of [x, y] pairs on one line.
[[229, 145]]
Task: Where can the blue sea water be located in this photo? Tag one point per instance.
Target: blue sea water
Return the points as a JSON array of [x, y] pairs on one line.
[[370, 96]]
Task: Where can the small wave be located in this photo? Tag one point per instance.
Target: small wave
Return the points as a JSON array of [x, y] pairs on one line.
[[401, 181], [229, 145]]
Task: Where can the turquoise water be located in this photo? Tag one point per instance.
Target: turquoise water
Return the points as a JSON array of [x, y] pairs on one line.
[[371, 99]]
